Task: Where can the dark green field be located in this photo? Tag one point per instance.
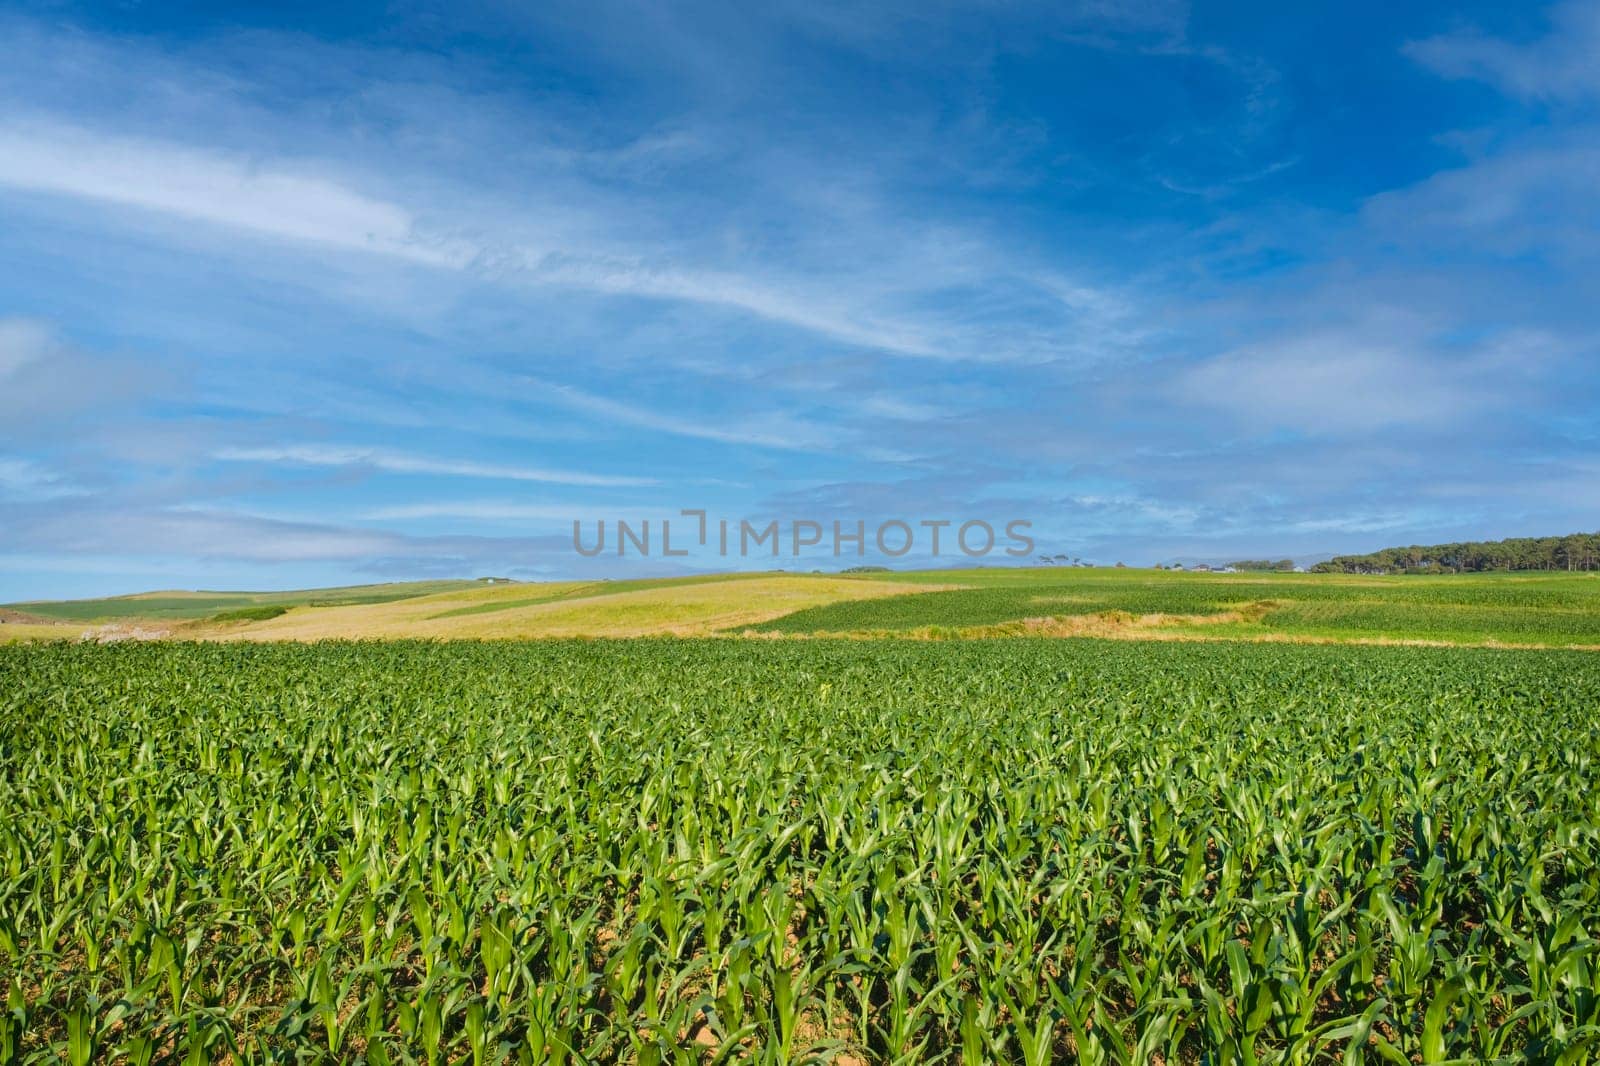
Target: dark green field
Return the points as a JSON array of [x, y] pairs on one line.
[[1561, 609]]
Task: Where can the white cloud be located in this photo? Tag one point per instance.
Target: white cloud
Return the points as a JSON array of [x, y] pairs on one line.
[[900, 409], [1119, 509], [25, 479], [403, 463], [270, 199], [584, 235], [1354, 523], [1358, 380], [44, 382], [291, 202], [790, 301], [1559, 66], [1524, 199], [22, 341]]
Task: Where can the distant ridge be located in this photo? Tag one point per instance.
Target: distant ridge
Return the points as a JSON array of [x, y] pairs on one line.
[[1575, 551]]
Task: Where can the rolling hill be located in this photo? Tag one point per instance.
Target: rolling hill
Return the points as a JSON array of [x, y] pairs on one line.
[[1503, 609]]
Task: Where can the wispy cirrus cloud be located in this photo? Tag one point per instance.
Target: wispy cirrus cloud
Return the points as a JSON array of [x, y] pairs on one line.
[[264, 197], [815, 241], [487, 510], [1050, 259], [181, 540], [393, 462], [307, 202], [777, 431]]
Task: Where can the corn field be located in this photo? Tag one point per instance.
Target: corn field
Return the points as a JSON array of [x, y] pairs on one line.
[[780, 851]]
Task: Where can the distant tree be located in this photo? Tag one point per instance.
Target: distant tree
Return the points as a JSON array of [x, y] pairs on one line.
[[1575, 551]]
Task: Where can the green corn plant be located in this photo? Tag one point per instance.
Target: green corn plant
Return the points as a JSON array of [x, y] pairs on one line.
[[999, 851]]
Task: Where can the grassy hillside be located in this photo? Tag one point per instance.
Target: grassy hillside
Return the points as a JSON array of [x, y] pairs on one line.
[[1513, 609], [174, 605], [1559, 609]]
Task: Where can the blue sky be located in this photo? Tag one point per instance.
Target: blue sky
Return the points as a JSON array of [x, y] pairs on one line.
[[295, 297]]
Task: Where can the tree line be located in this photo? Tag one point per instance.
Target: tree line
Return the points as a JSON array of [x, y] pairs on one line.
[[1576, 551]]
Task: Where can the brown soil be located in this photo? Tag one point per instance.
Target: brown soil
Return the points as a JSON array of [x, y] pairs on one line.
[[8, 616]]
